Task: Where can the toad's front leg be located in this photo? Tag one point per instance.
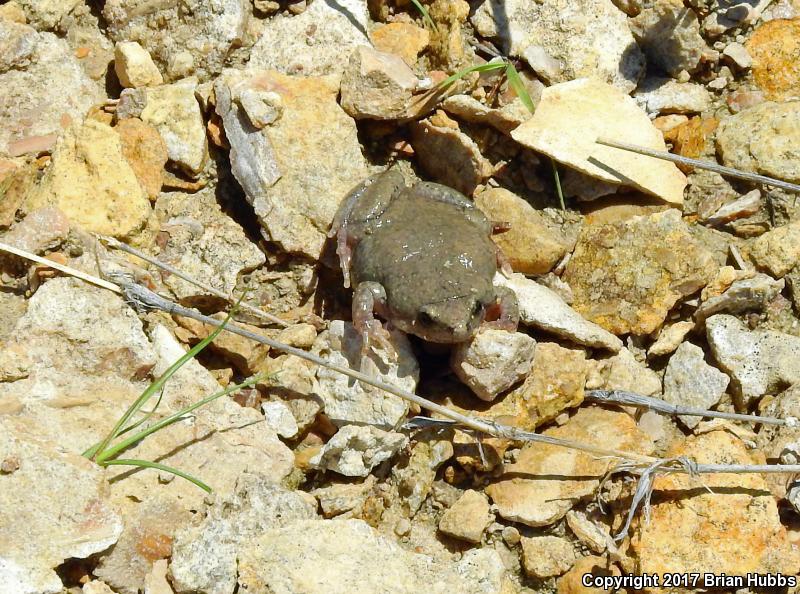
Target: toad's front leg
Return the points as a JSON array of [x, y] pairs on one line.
[[368, 298], [504, 314]]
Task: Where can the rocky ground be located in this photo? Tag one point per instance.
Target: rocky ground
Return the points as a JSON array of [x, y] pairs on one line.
[[221, 135]]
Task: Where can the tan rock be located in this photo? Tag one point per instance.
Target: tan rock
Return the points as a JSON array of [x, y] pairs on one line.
[[716, 523], [504, 118], [531, 245], [468, 517], [403, 39], [567, 124], [670, 338], [174, 111], [528, 494], [627, 276], [378, 85], [594, 535], [554, 385], [778, 251], [294, 203], [145, 152], [774, 47], [134, 66], [622, 372], [547, 556], [89, 161], [572, 581], [448, 155]]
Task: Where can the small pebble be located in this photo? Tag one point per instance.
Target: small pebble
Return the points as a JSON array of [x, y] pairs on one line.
[[511, 536]]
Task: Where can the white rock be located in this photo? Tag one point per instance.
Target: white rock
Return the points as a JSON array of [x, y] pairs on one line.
[[156, 581], [747, 205], [134, 66], [279, 418], [313, 42], [758, 361], [622, 372], [739, 55], [174, 111], [262, 107], [493, 361], [355, 450], [690, 381], [46, 14], [346, 556], [53, 507], [204, 555], [663, 95], [542, 308], [566, 126], [562, 35], [348, 401], [669, 338]]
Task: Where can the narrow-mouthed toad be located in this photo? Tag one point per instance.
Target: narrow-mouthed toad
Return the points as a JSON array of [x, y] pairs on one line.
[[421, 257]]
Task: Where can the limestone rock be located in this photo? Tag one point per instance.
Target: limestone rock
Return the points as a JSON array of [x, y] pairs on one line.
[[17, 45], [554, 385], [690, 528], [542, 308], [567, 123], [773, 47], [529, 495], [601, 46], [670, 338], [778, 251], [184, 39], [763, 139], [46, 14], [173, 110], [504, 119], [345, 500], [547, 556], [88, 161], [622, 372], [690, 381], [344, 556], [312, 43], [204, 555], [39, 231], [134, 66], [203, 242], [294, 203], [531, 245], [758, 361], [594, 535], [663, 95], [40, 99], [448, 155], [468, 517], [669, 34], [627, 276], [280, 419], [746, 294], [348, 401], [493, 361], [53, 507], [780, 442], [145, 152], [415, 477], [378, 86], [355, 450], [402, 39]]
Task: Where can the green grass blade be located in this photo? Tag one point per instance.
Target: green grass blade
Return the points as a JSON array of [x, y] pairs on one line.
[[515, 82], [148, 392], [488, 67], [426, 17], [105, 456], [557, 179], [157, 466]]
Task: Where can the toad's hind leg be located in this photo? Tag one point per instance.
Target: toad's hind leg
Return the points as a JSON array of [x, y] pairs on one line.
[[368, 297]]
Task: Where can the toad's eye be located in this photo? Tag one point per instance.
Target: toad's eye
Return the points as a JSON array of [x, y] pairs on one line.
[[477, 309], [425, 318]]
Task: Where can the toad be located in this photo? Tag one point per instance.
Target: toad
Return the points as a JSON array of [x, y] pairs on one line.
[[421, 257]]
